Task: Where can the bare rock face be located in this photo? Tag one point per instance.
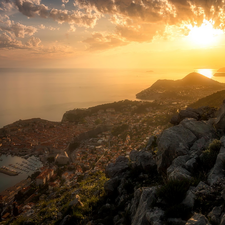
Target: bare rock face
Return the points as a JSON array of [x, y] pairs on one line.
[[217, 171], [111, 185], [198, 219], [203, 113], [155, 216], [114, 169], [176, 170], [143, 159], [173, 142], [220, 120], [147, 198], [215, 214], [199, 128]]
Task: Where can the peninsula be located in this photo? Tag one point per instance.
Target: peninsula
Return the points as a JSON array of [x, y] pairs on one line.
[[191, 87]]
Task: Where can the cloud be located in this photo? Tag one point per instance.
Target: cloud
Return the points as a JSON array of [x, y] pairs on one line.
[[43, 27], [74, 17], [6, 5], [32, 8], [104, 41], [9, 42], [33, 42], [72, 28], [168, 11], [19, 30], [33, 45]]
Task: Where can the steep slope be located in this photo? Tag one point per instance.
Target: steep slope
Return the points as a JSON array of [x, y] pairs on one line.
[[213, 100]]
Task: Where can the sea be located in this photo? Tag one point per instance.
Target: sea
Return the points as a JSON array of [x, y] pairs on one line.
[[7, 181], [49, 93]]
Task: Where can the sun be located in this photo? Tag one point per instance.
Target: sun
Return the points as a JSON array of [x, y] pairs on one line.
[[205, 35]]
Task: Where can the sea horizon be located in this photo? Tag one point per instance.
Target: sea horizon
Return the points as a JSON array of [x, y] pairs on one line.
[[47, 93]]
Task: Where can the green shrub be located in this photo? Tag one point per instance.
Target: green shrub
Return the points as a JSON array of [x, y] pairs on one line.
[[215, 145], [174, 191], [208, 157]]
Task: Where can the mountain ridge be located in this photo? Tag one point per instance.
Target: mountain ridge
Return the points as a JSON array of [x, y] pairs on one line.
[[201, 84]]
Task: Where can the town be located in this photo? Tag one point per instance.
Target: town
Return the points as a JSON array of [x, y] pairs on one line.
[[67, 154]]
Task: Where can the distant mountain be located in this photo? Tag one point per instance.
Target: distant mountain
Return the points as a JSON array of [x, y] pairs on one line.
[[220, 72], [213, 100], [199, 79], [191, 86]]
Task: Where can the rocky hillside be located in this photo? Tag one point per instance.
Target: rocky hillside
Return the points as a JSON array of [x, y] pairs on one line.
[[178, 178], [192, 86]]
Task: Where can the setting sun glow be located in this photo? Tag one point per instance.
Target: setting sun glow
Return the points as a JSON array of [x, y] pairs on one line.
[[206, 72], [205, 35]]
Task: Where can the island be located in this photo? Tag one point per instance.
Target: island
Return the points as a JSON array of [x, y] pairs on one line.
[[220, 72]]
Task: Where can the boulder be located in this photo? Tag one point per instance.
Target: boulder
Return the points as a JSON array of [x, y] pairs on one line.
[[191, 164], [222, 222], [151, 143], [217, 171], [147, 198], [179, 173], [189, 200], [178, 162], [135, 201], [202, 188], [111, 185], [114, 169], [200, 145], [220, 120], [199, 128], [146, 161], [142, 159], [155, 216], [215, 214], [188, 113], [198, 219], [175, 120], [173, 142], [133, 155]]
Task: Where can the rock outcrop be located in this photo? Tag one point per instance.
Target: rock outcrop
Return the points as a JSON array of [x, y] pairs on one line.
[[182, 154]]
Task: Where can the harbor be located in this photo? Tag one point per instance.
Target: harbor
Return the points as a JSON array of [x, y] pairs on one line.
[[14, 169], [8, 171]]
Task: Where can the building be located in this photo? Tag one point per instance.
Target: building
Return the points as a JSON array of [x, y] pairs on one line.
[[45, 176], [62, 159]]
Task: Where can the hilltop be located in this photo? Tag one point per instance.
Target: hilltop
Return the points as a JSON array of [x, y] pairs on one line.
[[192, 86]]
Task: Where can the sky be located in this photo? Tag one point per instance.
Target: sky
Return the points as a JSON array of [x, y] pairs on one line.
[[112, 33]]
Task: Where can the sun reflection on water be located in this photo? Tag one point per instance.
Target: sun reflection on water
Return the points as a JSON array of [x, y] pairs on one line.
[[206, 72]]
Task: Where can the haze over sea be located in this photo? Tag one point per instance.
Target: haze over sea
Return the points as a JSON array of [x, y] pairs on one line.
[[48, 93]]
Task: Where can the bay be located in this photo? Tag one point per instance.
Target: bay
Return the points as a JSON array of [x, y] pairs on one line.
[[7, 181]]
